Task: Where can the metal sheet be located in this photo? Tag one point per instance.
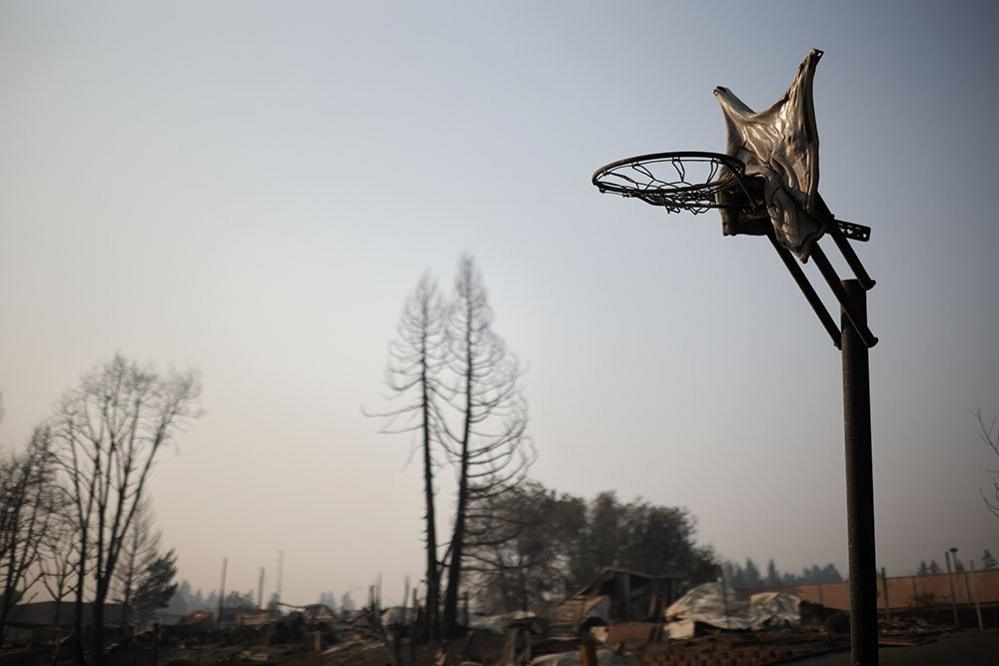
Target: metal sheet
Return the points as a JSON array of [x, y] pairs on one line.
[[780, 146]]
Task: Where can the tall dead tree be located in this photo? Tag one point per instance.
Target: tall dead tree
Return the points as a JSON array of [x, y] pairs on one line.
[[487, 440], [25, 515], [108, 432], [416, 359]]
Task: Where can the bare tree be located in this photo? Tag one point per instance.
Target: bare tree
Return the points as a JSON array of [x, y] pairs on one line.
[[509, 549], [488, 442], [108, 431], [59, 553], [25, 489], [989, 433], [416, 358]]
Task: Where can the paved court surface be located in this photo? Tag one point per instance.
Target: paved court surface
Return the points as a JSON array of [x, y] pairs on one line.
[[968, 648]]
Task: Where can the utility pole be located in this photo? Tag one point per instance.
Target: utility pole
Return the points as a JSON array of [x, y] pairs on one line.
[[405, 602], [260, 589], [950, 577], [280, 575], [978, 603], [884, 593], [225, 564]]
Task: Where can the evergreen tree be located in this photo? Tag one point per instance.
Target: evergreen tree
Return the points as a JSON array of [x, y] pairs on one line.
[[958, 565], [328, 599], [923, 569], [988, 562], [734, 576], [752, 574], [240, 601], [156, 587], [773, 576], [830, 574], [182, 602], [934, 567], [750, 577]]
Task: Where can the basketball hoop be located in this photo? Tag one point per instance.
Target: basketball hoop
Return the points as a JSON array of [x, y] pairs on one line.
[[767, 185], [699, 181], [695, 181]]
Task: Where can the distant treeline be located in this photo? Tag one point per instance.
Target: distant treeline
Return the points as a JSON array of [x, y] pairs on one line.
[[185, 600], [561, 542], [988, 562], [748, 576]]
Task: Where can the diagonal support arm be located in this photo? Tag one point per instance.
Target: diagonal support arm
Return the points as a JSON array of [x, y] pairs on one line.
[[806, 288], [829, 273], [836, 231]]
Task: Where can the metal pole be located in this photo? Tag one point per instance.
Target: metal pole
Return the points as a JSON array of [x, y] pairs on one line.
[[724, 600], [260, 589], [859, 479], [280, 575], [884, 587], [859, 320], [225, 563], [405, 602], [978, 603], [953, 591]]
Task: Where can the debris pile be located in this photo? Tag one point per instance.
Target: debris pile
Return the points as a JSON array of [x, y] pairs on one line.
[[719, 607], [909, 631], [622, 618]]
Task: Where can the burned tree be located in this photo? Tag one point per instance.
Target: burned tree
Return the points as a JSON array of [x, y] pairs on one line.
[[527, 569], [989, 434], [59, 554], [108, 431], [487, 441], [26, 497], [416, 359]]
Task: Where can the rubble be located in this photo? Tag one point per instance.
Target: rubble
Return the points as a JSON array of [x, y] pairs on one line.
[[615, 595], [720, 607], [604, 658], [909, 631], [617, 620]]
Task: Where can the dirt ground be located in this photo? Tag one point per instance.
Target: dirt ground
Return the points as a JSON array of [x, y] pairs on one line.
[[967, 648]]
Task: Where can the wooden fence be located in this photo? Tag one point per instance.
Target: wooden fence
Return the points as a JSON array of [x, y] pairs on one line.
[[906, 591]]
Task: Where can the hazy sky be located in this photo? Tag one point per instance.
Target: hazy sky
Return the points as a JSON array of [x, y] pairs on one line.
[[251, 189]]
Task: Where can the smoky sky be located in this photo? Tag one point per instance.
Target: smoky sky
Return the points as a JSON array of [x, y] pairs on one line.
[[251, 189]]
